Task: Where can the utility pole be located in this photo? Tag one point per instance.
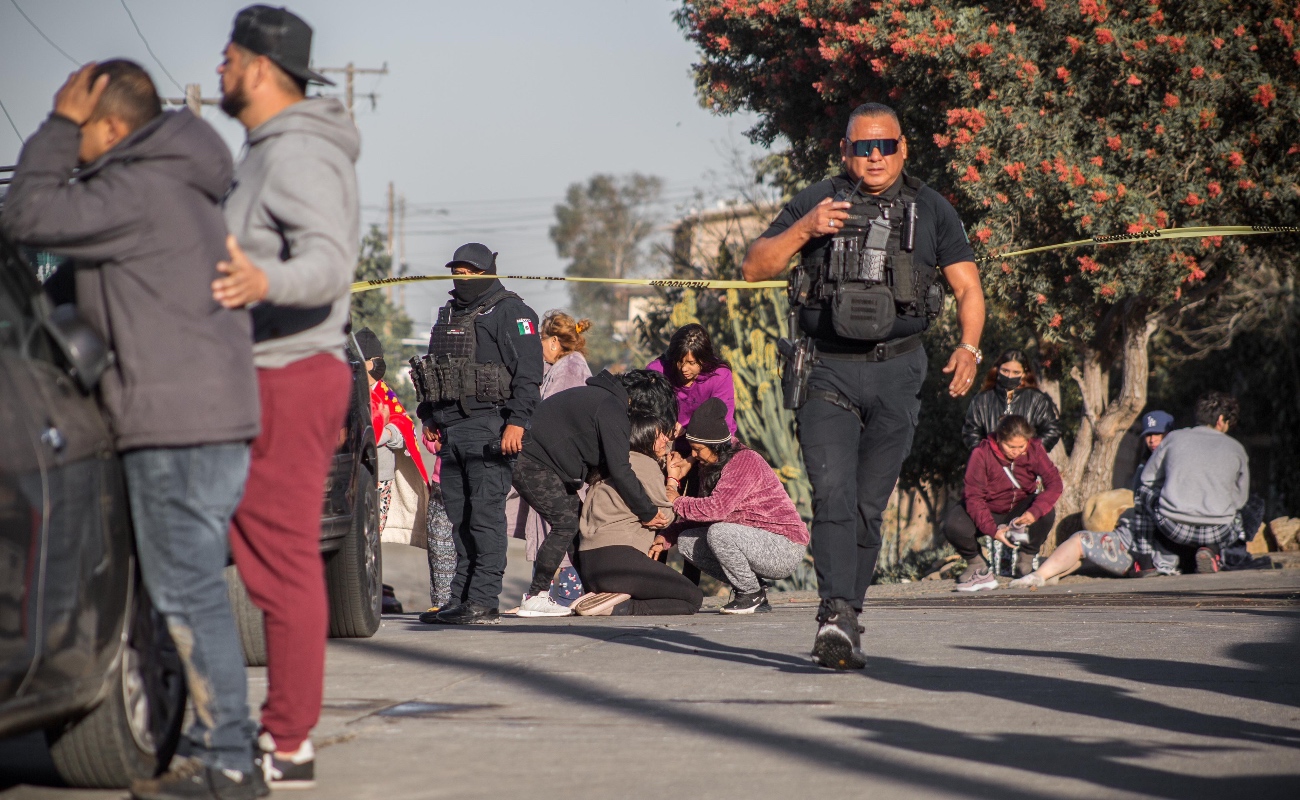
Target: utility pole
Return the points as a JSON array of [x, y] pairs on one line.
[[350, 72], [401, 249], [193, 99]]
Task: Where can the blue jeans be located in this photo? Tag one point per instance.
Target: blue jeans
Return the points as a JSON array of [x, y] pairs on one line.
[[182, 499]]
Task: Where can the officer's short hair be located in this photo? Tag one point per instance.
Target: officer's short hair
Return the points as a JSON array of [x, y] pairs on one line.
[[130, 95], [872, 110], [1217, 404]]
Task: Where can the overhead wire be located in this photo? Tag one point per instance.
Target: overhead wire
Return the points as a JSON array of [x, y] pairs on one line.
[[152, 54], [11, 121], [42, 34]]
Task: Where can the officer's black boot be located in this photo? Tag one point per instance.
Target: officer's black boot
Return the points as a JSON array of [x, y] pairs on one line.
[[469, 614], [838, 644]]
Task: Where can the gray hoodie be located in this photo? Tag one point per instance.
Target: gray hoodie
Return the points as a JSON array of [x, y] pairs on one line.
[[294, 210], [1202, 475], [144, 226]]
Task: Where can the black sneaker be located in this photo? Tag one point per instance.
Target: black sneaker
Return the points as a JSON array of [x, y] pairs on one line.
[[194, 780], [295, 772], [1207, 561], [469, 614], [430, 617], [838, 644], [748, 603]]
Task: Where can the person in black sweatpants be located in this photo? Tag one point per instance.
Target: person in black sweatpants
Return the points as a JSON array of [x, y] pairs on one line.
[[619, 569], [573, 432]]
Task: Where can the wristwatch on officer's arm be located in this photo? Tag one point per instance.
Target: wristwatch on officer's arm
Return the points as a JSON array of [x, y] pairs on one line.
[[975, 351]]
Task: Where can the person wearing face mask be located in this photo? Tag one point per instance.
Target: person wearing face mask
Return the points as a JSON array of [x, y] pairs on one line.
[[1001, 491], [1011, 387], [400, 470], [478, 387]]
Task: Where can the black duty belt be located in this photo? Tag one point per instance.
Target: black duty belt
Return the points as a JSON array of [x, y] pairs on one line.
[[882, 352]]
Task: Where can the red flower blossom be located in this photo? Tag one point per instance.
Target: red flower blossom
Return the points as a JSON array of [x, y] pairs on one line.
[[1113, 142], [1235, 159], [1074, 44], [1217, 42], [1192, 199], [1134, 80], [972, 118], [1265, 96], [1104, 36], [1108, 291], [1056, 322], [1171, 100], [1015, 170], [1120, 191], [1240, 30], [1100, 197], [1245, 184], [1087, 264], [972, 175], [980, 50], [1062, 73], [1085, 220], [1097, 161], [1162, 219], [983, 234], [993, 29], [1042, 298], [1214, 189], [1198, 73]]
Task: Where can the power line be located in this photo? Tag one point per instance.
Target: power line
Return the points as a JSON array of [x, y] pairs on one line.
[[42, 33], [157, 61], [11, 120]]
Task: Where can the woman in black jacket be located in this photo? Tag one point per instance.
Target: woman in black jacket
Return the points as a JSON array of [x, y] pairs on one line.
[[1011, 388]]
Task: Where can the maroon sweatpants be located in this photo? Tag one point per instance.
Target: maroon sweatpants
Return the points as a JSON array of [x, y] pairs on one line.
[[275, 535]]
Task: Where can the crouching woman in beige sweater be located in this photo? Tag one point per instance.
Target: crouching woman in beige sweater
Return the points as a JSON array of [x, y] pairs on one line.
[[617, 555]]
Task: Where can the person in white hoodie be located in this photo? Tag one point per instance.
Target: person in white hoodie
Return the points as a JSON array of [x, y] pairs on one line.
[[294, 220]]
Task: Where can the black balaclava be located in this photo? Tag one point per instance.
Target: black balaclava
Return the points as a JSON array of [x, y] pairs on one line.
[[1009, 384], [467, 293], [378, 370]]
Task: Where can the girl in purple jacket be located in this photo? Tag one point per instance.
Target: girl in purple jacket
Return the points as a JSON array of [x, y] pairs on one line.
[[1011, 489], [697, 373]]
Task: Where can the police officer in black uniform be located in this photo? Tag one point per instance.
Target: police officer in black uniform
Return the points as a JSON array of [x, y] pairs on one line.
[[873, 243], [478, 387]]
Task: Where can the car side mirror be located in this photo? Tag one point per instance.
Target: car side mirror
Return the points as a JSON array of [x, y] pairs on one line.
[[85, 355]]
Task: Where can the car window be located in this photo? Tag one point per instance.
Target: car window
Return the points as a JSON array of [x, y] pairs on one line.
[[19, 331]]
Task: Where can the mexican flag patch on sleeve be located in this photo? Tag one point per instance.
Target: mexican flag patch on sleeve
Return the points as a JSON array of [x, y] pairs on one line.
[[526, 327]]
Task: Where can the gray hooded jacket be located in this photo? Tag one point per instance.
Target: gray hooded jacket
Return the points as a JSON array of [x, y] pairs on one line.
[[144, 226], [294, 210]]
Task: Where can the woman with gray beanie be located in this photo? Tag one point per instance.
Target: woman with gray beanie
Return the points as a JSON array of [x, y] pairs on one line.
[[741, 526]]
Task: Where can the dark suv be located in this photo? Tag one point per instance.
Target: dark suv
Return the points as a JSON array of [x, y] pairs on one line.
[[83, 656]]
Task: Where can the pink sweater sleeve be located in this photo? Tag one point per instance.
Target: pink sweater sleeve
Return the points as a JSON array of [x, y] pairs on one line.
[[733, 485]]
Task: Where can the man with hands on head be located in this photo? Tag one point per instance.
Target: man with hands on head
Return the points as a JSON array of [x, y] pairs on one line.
[[873, 242], [142, 224], [478, 387]]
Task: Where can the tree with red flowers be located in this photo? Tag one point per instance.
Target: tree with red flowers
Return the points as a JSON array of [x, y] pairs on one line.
[[1046, 121]]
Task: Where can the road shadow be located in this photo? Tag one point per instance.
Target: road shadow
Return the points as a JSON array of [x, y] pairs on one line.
[[1102, 763]]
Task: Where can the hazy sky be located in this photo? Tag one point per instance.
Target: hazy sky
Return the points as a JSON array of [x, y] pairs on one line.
[[490, 110]]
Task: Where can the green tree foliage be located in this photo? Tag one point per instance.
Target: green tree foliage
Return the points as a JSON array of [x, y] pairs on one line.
[[602, 227], [1046, 121], [375, 311]]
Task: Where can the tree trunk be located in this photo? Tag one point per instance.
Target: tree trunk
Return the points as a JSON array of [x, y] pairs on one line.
[[1091, 465]]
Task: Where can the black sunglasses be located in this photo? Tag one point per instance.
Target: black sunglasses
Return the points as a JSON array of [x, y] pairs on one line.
[[863, 147]]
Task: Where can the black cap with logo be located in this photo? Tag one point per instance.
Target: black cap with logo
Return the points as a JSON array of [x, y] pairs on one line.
[[281, 36]]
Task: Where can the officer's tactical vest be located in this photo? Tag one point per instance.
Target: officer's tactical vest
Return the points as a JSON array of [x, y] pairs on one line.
[[867, 277], [451, 371]]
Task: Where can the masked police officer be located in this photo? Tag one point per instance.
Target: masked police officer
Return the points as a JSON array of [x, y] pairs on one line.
[[872, 242], [478, 387]]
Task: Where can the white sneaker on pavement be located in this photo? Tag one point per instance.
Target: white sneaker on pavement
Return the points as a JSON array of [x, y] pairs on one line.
[[542, 606]]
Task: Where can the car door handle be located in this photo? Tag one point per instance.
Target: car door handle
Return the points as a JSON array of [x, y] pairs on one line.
[[53, 437]]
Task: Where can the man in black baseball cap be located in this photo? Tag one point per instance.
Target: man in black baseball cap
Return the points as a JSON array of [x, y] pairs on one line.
[[281, 36]]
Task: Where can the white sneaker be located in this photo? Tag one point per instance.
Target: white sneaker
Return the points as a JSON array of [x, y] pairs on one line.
[[542, 606]]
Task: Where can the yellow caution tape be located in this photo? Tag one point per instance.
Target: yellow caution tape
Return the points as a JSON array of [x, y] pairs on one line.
[[665, 283], [681, 283], [1154, 235]]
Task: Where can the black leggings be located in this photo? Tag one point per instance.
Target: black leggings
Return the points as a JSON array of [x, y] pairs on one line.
[[657, 589], [960, 529], [541, 488]]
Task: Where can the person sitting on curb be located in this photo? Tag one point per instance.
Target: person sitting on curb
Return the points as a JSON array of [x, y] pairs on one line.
[[573, 432], [752, 530], [1155, 426], [617, 555], [1001, 492], [1189, 504]]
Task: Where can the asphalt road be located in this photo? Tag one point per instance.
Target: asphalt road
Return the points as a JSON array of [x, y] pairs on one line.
[[1171, 688]]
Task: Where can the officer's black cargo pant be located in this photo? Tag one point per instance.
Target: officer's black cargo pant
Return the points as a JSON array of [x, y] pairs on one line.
[[853, 461], [474, 488]]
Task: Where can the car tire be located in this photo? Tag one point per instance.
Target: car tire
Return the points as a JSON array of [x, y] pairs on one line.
[[249, 619], [133, 732], [353, 573]]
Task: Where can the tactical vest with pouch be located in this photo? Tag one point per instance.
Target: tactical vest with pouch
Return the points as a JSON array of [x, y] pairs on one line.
[[867, 277], [451, 371]]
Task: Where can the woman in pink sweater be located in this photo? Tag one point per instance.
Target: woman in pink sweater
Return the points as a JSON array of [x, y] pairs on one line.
[[743, 526]]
